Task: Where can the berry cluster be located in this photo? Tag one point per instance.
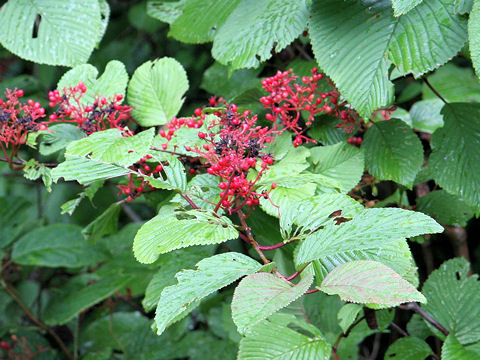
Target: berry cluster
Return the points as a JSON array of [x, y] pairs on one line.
[[137, 184], [105, 113], [355, 140], [233, 146], [17, 119], [19, 349], [287, 98]]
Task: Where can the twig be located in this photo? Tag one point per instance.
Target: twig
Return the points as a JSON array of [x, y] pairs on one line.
[[296, 273], [344, 335], [187, 199], [17, 162], [130, 213], [272, 247], [399, 329], [414, 306], [434, 91], [34, 319], [250, 238]]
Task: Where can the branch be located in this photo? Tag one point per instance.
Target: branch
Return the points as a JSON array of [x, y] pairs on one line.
[[434, 91], [34, 319], [250, 238], [415, 307], [344, 335]]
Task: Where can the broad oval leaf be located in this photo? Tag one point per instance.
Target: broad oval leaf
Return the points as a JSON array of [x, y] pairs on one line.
[[455, 147], [271, 23], [113, 81], [272, 340], [59, 245], [452, 349], [454, 299], [369, 282], [171, 230], [393, 152], [372, 227], [401, 7], [212, 274], [262, 294], [408, 348], [67, 32], [156, 91]]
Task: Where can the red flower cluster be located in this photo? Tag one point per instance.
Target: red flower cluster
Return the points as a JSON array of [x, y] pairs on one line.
[[233, 146], [17, 119], [288, 98], [105, 113]]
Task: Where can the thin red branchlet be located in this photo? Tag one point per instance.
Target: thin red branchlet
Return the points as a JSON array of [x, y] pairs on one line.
[[104, 113], [287, 98]]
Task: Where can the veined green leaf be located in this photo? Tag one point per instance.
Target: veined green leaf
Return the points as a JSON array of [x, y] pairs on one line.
[[271, 23], [271, 340], [112, 82], [171, 230], [79, 33], [369, 282], [393, 152], [372, 227], [401, 7], [452, 349], [408, 348], [156, 91], [212, 274], [453, 299], [260, 295], [455, 147]]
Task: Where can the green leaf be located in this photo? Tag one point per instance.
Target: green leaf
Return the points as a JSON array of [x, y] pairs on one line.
[[465, 88], [347, 315], [355, 32], [33, 170], [453, 299], [89, 192], [271, 23], [166, 11], [67, 33], [105, 224], [282, 197], [447, 209], [170, 264], [103, 155], [175, 171], [276, 341], [452, 349], [393, 152], [202, 186], [59, 245], [408, 348], [63, 309], [260, 295], [372, 227], [450, 144], [463, 6], [345, 33], [433, 24], [369, 282], [212, 274], [395, 255], [474, 35], [200, 20], [58, 137], [314, 212], [401, 7], [171, 230], [112, 82], [16, 218], [426, 115], [216, 80], [156, 91], [341, 162]]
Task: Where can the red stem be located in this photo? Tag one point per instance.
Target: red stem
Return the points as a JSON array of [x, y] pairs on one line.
[[272, 247]]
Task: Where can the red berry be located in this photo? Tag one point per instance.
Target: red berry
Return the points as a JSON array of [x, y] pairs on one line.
[[274, 185], [201, 135], [158, 168], [89, 108], [19, 93], [233, 107], [198, 112]]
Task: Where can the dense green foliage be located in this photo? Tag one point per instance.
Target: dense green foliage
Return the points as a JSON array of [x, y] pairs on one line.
[[330, 219]]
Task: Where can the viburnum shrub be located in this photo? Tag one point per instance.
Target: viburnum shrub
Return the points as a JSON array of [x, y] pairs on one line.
[[284, 201]]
